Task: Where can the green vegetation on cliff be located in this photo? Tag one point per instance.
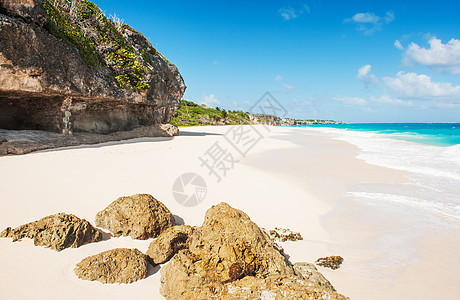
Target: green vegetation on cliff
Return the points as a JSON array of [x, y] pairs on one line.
[[192, 114], [82, 24]]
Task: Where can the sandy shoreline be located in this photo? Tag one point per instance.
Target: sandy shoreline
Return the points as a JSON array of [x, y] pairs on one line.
[[291, 178]]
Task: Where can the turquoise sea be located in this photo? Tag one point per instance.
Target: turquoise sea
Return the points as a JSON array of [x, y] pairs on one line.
[[436, 134]]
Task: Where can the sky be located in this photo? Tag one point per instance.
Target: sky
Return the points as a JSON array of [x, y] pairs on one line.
[[352, 61]]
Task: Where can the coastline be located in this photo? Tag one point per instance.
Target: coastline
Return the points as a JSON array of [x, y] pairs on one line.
[[292, 179]]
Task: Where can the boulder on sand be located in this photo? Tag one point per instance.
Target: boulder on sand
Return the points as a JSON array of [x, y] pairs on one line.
[[114, 266], [139, 216], [57, 232], [230, 257]]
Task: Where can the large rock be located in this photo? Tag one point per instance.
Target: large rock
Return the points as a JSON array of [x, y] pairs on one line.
[[169, 243], [139, 216], [114, 266], [230, 257], [57, 232], [270, 287], [65, 67]]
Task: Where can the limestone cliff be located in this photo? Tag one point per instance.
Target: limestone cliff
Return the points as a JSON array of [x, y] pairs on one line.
[[65, 67]]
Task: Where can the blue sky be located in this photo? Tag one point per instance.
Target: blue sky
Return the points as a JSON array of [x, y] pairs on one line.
[[354, 61]]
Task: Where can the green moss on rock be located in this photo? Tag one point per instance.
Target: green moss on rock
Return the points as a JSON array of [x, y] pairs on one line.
[[83, 25], [62, 27]]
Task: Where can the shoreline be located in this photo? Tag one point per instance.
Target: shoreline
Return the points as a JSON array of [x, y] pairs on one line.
[[272, 188]]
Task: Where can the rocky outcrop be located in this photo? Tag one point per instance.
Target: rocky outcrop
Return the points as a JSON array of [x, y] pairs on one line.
[[114, 266], [332, 262], [288, 121], [264, 119], [65, 67], [139, 216], [58, 232], [170, 241], [283, 235], [230, 257]]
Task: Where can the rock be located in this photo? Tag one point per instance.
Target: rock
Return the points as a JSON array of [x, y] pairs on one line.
[[139, 216], [332, 262], [169, 243], [283, 235], [26, 141], [114, 266], [67, 68], [230, 257], [58, 232], [271, 287], [309, 272]]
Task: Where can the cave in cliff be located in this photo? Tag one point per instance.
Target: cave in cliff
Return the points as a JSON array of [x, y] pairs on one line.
[[27, 111]]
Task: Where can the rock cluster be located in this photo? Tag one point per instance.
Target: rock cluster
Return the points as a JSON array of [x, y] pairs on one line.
[[114, 266], [283, 235], [58, 232], [332, 262], [230, 257], [139, 216]]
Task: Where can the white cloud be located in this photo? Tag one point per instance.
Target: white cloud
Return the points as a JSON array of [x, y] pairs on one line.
[[421, 86], [278, 78], [365, 18], [287, 86], [215, 62], [290, 13], [210, 101], [365, 76], [385, 99], [350, 100], [398, 45], [442, 57], [369, 22]]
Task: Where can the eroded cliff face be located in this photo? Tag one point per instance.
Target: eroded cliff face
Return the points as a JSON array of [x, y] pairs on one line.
[[65, 67]]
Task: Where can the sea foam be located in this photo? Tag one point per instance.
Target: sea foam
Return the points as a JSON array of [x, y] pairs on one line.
[[434, 170]]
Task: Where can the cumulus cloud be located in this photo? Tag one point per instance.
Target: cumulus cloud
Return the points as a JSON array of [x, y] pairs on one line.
[[350, 100], [289, 13], [369, 22], [398, 45], [439, 56], [210, 100], [421, 86], [365, 76]]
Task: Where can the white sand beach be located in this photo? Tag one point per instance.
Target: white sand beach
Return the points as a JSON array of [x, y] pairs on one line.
[[292, 178]]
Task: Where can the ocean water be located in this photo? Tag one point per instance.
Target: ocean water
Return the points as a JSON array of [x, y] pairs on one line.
[[429, 153], [436, 134]]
